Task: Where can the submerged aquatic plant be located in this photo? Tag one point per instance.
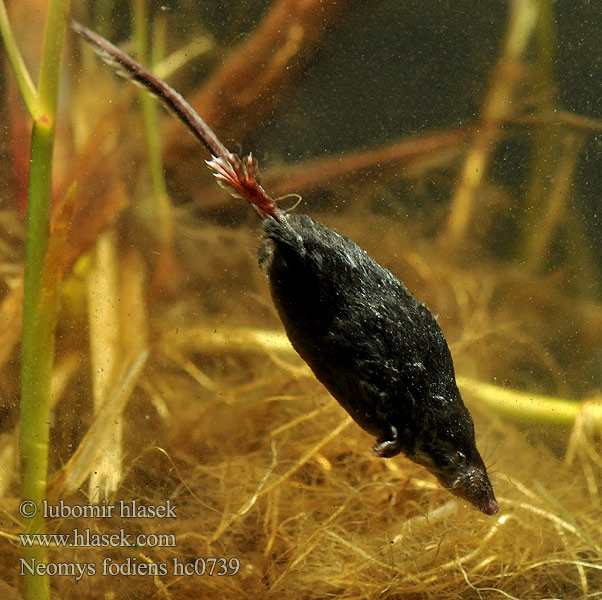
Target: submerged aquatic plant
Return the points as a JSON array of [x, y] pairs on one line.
[[42, 276]]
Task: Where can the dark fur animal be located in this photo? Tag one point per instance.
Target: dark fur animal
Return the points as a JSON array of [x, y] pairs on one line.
[[376, 349]]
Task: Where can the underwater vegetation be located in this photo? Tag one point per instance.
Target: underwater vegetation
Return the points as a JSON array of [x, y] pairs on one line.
[[144, 367]]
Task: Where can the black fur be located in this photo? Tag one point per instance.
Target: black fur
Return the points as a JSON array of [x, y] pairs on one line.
[[376, 349]]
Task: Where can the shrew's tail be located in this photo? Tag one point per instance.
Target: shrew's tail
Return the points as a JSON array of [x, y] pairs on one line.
[[240, 175]]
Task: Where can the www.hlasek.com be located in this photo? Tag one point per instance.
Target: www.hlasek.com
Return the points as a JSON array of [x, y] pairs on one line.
[[87, 538]]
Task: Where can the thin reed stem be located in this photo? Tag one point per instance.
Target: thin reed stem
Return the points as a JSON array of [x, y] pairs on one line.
[[162, 216], [40, 303]]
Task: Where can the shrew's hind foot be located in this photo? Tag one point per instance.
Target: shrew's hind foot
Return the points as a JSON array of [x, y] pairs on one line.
[[389, 446]]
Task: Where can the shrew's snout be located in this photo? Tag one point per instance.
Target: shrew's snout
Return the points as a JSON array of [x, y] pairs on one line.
[[474, 485]]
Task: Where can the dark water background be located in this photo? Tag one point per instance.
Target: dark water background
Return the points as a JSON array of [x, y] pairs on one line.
[[388, 69]]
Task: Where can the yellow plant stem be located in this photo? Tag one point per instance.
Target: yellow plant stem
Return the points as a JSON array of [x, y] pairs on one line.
[[162, 217], [507, 402], [497, 106], [531, 408]]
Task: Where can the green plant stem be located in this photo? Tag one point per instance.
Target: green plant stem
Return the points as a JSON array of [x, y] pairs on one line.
[[52, 51], [40, 304], [37, 349], [26, 87]]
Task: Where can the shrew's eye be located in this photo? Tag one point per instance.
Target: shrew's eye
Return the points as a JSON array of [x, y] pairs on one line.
[[461, 457]]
